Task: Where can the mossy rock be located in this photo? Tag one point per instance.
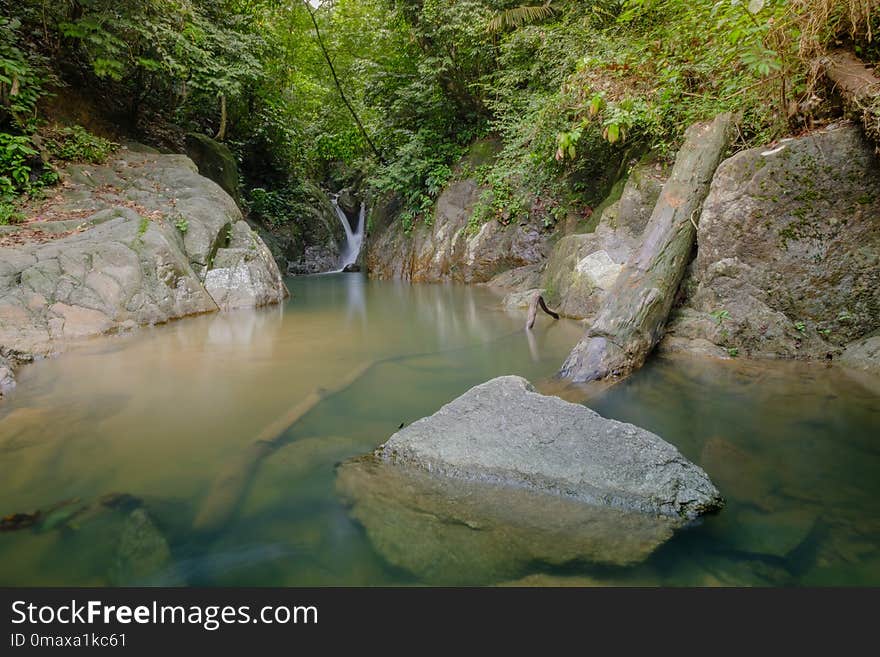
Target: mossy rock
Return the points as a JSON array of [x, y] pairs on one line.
[[215, 161]]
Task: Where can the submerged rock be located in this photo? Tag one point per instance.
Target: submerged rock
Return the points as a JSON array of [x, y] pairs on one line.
[[143, 553], [775, 534], [741, 475], [504, 432], [449, 531]]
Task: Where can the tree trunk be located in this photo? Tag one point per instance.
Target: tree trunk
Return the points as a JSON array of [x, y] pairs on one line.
[[631, 319], [221, 131], [859, 87]]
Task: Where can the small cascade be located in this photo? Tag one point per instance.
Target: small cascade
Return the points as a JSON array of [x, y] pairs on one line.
[[353, 238]]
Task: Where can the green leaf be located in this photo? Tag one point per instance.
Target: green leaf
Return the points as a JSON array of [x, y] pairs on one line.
[[613, 133]]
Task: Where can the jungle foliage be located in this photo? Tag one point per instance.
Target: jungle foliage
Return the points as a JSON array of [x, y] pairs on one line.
[[572, 88]]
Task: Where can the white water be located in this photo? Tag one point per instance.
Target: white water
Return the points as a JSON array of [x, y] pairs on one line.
[[353, 238]]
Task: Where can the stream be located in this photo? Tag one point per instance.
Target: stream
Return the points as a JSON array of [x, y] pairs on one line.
[[141, 423]]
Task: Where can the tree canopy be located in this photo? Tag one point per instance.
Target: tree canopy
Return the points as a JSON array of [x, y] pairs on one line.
[[391, 92]]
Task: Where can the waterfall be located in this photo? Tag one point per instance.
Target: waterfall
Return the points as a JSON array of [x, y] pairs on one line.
[[353, 238]]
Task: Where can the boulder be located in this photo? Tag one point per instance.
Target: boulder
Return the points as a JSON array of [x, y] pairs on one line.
[[863, 354], [788, 258], [7, 378], [504, 432], [215, 161], [453, 532], [143, 238], [244, 274]]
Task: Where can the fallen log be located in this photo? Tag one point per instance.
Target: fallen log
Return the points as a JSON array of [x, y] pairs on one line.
[[536, 301], [230, 484], [631, 319], [858, 86]]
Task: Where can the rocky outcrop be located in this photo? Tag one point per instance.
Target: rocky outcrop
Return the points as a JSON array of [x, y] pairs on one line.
[[863, 354], [632, 317], [504, 432], [449, 249], [241, 276], [788, 259], [583, 267], [141, 240], [6, 375]]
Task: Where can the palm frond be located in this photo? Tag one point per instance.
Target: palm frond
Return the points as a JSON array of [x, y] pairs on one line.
[[517, 16]]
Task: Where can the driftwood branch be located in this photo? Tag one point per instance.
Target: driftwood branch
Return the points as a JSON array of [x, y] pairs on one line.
[[536, 301], [631, 319], [858, 86]]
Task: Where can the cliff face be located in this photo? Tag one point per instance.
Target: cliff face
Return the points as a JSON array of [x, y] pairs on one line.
[[448, 251], [140, 240]]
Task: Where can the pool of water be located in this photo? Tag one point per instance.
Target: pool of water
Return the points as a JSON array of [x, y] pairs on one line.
[[124, 445]]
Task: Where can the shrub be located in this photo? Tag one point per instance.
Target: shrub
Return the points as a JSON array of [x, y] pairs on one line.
[[76, 144]]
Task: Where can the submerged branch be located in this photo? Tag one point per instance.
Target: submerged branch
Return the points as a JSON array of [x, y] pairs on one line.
[[538, 300]]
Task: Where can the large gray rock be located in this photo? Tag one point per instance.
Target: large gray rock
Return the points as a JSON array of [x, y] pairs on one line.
[[7, 380], [502, 431], [788, 259], [244, 275], [132, 242], [863, 354]]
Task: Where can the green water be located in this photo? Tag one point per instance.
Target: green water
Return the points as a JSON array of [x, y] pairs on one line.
[[139, 426]]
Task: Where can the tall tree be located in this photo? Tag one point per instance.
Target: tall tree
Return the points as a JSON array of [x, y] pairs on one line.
[[336, 81]]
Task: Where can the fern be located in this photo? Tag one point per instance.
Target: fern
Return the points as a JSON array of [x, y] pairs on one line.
[[517, 16]]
